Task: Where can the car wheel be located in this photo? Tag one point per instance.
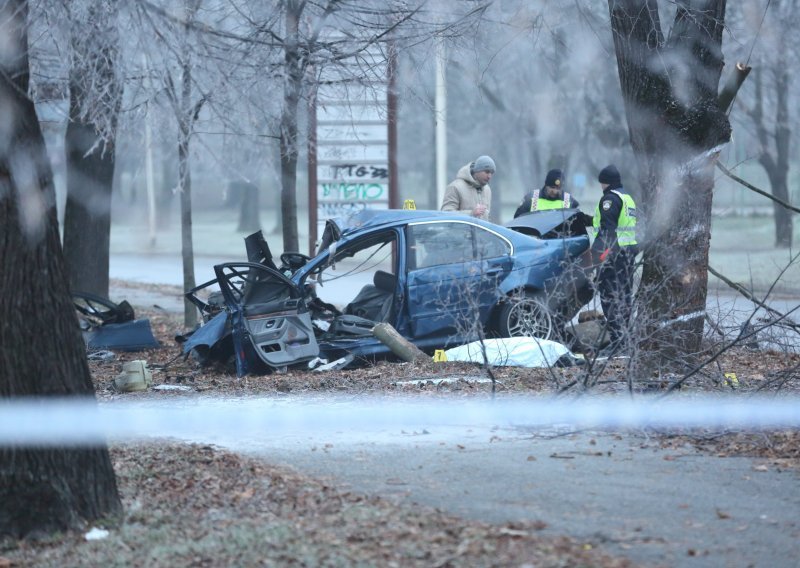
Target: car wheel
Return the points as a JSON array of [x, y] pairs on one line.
[[526, 315]]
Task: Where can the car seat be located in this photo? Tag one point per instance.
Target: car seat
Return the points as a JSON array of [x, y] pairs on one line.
[[374, 301]]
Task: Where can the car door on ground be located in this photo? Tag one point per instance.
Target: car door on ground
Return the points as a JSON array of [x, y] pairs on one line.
[[453, 270]]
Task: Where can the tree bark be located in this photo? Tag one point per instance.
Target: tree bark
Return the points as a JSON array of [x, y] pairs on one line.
[[398, 344], [95, 99], [41, 349], [676, 127]]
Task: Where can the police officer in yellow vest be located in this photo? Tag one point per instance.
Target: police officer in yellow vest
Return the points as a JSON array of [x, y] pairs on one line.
[[614, 253], [551, 196]]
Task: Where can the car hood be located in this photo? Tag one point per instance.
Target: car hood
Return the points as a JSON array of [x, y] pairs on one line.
[[540, 223]]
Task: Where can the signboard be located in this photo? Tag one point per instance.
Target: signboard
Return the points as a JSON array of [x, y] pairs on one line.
[[349, 149]]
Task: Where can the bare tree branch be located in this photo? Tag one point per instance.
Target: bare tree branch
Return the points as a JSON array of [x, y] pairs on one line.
[[751, 187]]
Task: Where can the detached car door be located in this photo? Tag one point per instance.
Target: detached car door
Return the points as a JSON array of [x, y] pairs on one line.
[[452, 273], [270, 322]]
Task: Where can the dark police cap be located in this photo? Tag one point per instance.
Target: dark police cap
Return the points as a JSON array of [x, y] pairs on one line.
[[553, 178], [610, 175]]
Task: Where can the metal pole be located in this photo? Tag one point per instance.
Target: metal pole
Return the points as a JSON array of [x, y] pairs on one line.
[[391, 103], [312, 172], [151, 190], [440, 110], [148, 169]]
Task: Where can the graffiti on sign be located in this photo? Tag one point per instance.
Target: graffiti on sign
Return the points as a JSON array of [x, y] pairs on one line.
[[348, 191], [341, 171], [353, 152], [352, 132], [343, 210]]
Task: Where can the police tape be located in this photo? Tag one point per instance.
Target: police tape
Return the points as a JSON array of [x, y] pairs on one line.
[[55, 422]]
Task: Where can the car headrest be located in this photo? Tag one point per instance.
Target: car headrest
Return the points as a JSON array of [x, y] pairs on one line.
[[384, 281]]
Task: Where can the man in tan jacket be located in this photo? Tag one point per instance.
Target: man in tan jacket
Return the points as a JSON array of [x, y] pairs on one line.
[[470, 193]]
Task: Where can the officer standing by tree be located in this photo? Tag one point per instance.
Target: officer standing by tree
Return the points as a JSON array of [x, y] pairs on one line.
[[614, 253], [551, 196]]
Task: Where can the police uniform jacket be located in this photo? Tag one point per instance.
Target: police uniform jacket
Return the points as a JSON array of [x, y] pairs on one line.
[[606, 240], [525, 206]]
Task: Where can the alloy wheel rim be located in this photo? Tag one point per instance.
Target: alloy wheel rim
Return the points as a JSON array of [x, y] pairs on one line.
[[528, 318]]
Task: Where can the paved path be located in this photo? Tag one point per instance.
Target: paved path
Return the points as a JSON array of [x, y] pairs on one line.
[[657, 507]]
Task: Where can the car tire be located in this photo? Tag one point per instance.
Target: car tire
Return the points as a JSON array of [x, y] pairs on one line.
[[526, 315]]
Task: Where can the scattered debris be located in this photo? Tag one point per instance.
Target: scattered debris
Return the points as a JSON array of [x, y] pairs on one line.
[[445, 381], [135, 376], [101, 355], [107, 325], [172, 388], [96, 534], [338, 364]]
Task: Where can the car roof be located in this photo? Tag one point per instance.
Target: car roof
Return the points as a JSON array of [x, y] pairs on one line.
[[373, 218]]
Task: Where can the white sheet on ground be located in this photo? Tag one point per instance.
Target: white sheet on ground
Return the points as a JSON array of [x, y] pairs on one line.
[[511, 352]]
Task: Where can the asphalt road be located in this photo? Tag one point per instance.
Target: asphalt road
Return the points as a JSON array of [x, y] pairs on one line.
[[654, 506]]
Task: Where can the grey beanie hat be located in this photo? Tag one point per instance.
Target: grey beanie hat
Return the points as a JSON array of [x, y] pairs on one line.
[[482, 164]]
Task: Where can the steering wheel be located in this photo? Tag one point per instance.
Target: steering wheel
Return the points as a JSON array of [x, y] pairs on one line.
[[294, 260]]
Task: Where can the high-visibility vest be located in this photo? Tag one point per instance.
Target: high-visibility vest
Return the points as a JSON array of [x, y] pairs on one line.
[[543, 203], [626, 225]]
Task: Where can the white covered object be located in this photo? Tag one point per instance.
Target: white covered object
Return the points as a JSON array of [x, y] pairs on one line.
[[511, 352]]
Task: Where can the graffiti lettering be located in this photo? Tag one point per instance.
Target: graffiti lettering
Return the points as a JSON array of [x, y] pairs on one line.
[[355, 170], [328, 210], [344, 210], [352, 191]]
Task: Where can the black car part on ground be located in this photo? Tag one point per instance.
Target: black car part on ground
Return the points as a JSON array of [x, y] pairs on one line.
[[108, 325], [95, 310]]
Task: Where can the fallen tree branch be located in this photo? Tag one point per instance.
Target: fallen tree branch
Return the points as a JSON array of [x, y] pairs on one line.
[[751, 187], [399, 345]]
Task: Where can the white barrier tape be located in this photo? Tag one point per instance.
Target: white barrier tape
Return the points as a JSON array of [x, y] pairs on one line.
[[60, 422], [685, 317]]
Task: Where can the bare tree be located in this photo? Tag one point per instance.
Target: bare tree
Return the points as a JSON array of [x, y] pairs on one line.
[[676, 125], [95, 97], [177, 38], [41, 349], [333, 34], [767, 106]]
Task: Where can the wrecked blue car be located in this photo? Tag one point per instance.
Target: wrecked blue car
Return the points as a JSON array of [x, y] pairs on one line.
[[440, 279]]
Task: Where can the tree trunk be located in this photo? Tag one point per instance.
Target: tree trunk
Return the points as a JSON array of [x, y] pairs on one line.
[[95, 98], [165, 197], [184, 175], [779, 176], [784, 227], [292, 84], [41, 349], [676, 127]]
